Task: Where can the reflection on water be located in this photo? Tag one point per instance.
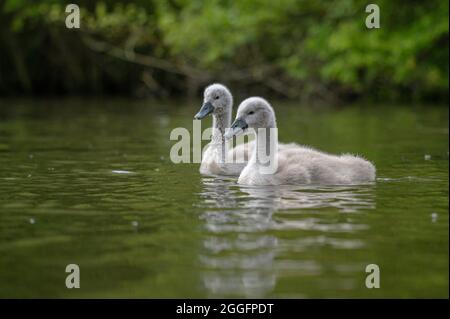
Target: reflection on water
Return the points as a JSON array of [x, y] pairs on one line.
[[242, 249]]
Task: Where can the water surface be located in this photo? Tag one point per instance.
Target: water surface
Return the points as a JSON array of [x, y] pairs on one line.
[[90, 182]]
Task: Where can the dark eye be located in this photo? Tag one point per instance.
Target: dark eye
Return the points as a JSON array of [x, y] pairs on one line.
[[217, 97], [250, 113]]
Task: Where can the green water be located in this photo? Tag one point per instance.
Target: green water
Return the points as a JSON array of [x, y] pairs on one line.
[[163, 230]]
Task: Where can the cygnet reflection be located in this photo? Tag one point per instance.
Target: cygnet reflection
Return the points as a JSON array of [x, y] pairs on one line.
[[240, 251]]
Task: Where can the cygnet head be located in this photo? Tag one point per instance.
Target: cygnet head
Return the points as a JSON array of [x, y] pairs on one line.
[[217, 100], [254, 112]]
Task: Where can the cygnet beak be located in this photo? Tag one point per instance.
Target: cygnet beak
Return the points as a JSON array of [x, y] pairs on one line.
[[206, 109], [238, 127]]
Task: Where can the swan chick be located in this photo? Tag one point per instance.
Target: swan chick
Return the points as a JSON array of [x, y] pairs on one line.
[[296, 164], [216, 158]]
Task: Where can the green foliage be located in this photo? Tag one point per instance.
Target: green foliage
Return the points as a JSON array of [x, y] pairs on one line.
[[297, 48]]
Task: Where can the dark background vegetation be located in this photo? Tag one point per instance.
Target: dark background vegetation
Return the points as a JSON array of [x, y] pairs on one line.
[[299, 49]]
